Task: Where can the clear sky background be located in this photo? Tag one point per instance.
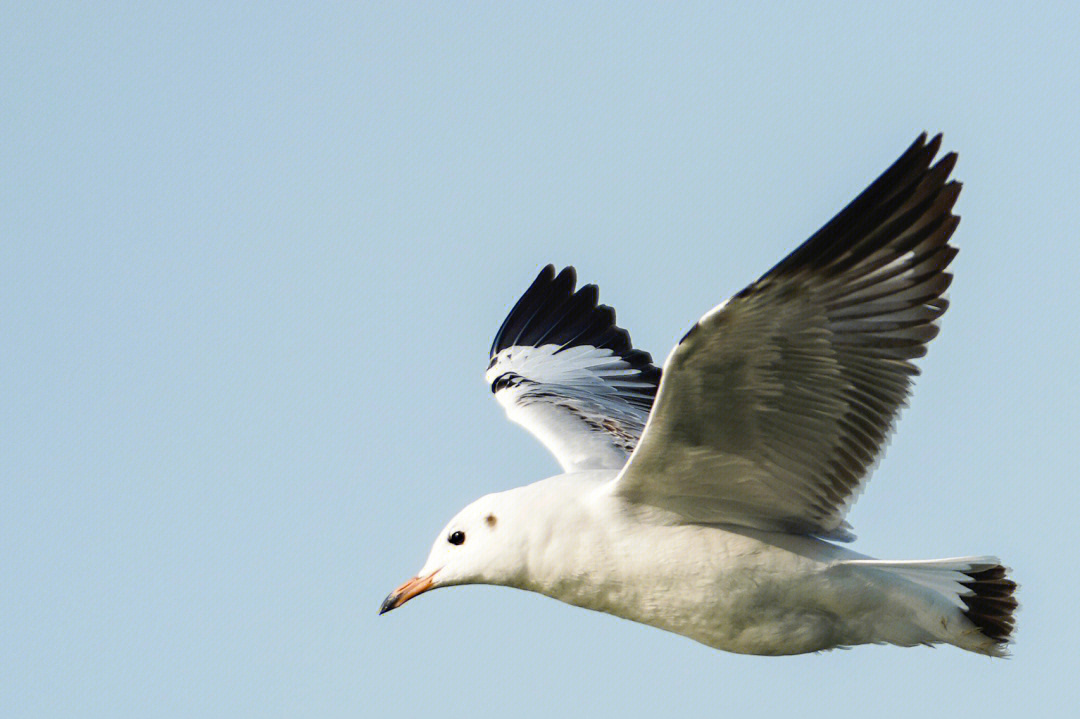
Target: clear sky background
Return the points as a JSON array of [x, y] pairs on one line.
[[251, 260]]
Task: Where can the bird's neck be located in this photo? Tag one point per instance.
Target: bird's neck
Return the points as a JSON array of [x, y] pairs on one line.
[[572, 549]]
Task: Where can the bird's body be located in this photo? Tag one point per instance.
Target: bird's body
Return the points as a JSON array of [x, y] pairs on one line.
[[732, 588], [704, 498]]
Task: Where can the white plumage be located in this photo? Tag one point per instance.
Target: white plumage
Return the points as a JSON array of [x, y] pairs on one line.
[[700, 499], [562, 398]]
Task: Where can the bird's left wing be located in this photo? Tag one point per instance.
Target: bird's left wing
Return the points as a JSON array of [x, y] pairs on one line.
[[563, 370], [776, 405]]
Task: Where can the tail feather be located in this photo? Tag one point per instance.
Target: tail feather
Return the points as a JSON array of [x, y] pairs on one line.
[[979, 588], [990, 603]]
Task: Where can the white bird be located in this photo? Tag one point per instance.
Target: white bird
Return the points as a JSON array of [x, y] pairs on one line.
[[705, 499]]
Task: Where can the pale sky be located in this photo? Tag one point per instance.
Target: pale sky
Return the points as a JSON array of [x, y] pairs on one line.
[[252, 260]]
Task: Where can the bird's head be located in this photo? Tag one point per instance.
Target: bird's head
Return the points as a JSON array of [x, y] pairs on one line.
[[483, 544]]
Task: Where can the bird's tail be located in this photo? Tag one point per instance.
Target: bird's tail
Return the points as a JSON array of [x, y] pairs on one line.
[[971, 601]]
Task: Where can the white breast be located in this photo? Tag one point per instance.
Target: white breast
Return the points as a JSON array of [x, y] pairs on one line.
[[741, 591]]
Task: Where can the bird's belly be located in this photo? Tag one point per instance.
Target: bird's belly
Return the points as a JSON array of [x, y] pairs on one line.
[[729, 590]]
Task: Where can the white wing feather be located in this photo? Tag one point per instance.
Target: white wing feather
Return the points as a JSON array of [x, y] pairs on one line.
[[564, 371]]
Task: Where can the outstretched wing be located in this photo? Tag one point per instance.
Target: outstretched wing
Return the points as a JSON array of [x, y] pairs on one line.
[[777, 403], [564, 371]]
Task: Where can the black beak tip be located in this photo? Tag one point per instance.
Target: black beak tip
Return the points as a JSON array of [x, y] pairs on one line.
[[389, 603]]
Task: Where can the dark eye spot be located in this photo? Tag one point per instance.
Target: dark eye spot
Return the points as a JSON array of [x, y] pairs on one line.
[[457, 537], [490, 519]]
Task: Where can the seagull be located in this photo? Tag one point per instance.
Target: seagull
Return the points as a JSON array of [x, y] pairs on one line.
[[708, 498]]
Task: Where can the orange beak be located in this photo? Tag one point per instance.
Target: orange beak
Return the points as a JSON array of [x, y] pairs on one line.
[[408, 590]]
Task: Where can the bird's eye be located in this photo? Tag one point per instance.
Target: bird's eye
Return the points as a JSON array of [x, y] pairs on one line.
[[457, 537]]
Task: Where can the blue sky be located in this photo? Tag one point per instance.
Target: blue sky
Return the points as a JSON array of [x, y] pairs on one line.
[[252, 258]]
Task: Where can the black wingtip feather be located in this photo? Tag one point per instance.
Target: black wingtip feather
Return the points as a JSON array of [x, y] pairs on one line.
[[525, 307], [935, 143], [913, 175], [551, 312]]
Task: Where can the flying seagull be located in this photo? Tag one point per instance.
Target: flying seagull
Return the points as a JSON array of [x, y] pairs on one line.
[[707, 498]]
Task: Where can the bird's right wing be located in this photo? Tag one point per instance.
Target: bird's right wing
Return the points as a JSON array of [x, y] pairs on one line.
[[564, 370], [776, 404]]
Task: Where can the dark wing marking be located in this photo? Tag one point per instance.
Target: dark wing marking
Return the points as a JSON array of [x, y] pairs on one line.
[[566, 372]]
